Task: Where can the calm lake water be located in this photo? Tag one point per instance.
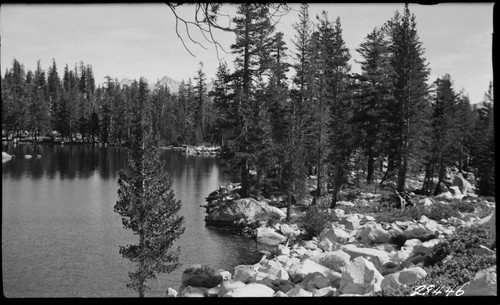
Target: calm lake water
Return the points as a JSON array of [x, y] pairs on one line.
[[60, 235]]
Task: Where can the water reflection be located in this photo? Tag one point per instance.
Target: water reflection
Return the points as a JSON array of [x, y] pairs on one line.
[[68, 161], [60, 235]]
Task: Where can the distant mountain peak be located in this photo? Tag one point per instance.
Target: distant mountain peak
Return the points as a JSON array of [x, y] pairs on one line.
[[171, 84], [126, 82]]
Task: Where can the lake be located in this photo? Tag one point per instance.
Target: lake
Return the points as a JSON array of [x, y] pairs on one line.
[[60, 235]]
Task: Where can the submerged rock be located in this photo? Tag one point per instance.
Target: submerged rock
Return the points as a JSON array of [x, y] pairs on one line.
[[201, 276]]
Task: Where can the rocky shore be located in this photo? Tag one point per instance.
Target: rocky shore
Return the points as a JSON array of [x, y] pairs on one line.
[[355, 254], [194, 150]]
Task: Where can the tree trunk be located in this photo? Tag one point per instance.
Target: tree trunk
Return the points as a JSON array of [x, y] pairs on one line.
[[440, 180], [428, 180], [460, 162], [244, 180], [318, 182], [371, 168], [337, 183], [289, 207], [402, 173]]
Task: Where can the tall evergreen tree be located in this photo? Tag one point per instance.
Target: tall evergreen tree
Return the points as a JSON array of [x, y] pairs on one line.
[[147, 203], [484, 152], [410, 91], [55, 92], [445, 127], [15, 105], [318, 112], [295, 170], [39, 107], [224, 104], [252, 28], [339, 86], [373, 99], [200, 92], [465, 119]]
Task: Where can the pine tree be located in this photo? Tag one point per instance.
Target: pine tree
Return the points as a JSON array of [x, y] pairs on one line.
[[410, 92], [163, 121], [465, 119], [190, 133], [55, 92], [252, 28], [39, 107], [444, 125], [224, 105], [484, 151], [146, 202], [372, 99], [16, 103], [318, 112], [200, 92], [339, 87]]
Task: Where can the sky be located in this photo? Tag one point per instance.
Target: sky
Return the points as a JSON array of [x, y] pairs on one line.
[[139, 40]]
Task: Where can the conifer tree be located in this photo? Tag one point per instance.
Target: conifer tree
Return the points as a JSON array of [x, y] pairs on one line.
[[224, 105], [340, 100], [55, 92], [252, 28], [484, 151], [200, 92], [39, 107], [410, 92], [146, 201], [318, 112], [445, 127], [16, 103], [372, 99], [465, 119]]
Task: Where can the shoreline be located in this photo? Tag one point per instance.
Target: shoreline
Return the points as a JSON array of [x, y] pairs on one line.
[[354, 243]]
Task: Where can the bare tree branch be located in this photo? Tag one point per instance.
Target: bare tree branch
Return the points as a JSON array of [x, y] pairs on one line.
[[206, 19]]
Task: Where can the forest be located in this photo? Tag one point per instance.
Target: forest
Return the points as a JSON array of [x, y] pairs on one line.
[[281, 113]]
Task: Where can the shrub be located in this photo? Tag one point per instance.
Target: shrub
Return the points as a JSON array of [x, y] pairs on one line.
[[464, 206], [351, 194], [394, 291], [315, 219], [439, 211], [269, 218], [452, 262], [410, 213], [331, 262]]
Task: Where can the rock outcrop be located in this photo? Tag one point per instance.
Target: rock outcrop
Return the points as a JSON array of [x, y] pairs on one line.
[[245, 211], [354, 255]]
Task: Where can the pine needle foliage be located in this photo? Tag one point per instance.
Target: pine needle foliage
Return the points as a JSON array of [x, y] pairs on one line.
[[147, 203]]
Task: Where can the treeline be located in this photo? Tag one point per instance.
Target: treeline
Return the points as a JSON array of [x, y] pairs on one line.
[[386, 121], [331, 122], [40, 103]]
